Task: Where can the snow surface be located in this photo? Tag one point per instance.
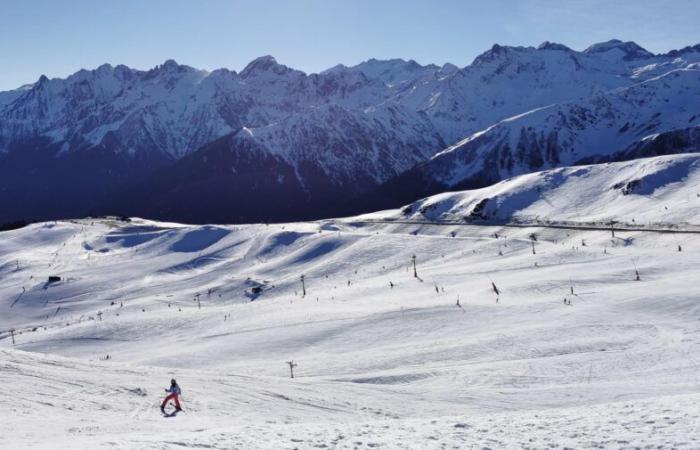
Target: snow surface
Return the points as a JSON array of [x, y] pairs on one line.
[[663, 190], [377, 366]]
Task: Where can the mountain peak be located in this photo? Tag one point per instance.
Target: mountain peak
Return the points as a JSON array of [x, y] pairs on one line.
[[495, 52], [546, 45], [169, 66], [262, 64], [170, 63], [105, 68], [631, 49], [335, 69], [448, 69], [170, 69], [682, 51], [412, 64]]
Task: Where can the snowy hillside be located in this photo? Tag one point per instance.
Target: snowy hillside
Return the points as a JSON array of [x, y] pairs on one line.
[[346, 130], [477, 348], [642, 192]]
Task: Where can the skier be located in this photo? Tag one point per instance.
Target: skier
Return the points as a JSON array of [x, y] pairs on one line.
[[174, 395]]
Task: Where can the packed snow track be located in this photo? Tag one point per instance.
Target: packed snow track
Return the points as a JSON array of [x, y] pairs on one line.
[[591, 340]]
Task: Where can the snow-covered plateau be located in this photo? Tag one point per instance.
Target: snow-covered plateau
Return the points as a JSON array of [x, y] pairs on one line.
[[509, 332]]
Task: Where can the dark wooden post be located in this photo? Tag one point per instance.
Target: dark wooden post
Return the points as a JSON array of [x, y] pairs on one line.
[[292, 365]]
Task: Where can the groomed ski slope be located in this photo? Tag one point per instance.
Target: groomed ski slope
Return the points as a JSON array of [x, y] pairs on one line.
[[377, 366]]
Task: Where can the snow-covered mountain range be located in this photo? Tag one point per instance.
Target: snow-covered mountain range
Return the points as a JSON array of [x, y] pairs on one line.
[[660, 115], [180, 143]]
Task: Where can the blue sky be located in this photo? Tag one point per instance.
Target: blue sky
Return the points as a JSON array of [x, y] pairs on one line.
[[58, 37]]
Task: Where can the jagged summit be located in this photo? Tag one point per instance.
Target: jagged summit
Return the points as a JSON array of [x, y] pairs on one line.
[[171, 69], [489, 55], [106, 67], [497, 51], [264, 64], [683, 51], [337, 68], [448, 69], [547, 45], [169, 64]]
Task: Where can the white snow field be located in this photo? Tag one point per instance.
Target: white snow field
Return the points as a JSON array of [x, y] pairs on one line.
[[377, 366]]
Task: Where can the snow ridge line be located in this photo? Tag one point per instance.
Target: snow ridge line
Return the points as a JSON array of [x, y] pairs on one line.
[[566, 225]]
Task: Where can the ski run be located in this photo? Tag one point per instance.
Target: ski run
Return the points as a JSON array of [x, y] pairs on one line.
[[498, 337]]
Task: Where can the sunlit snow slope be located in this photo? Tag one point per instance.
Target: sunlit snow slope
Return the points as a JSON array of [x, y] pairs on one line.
[[406, 366], [643, 193]]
